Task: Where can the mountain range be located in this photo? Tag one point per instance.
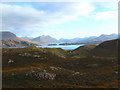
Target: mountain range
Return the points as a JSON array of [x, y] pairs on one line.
[[76, 40], [92, 39], [11, 40]]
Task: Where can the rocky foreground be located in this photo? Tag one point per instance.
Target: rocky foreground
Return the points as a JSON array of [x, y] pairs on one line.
[[45, 68]]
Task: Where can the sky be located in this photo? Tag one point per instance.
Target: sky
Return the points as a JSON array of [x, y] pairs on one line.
[[60, 19]]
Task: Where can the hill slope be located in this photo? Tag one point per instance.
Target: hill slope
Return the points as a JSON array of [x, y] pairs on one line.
[[107, 48], [11, 40]]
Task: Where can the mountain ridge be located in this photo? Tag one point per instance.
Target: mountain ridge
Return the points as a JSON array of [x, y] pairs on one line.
[[91, 39], [48, 39], [44, 39]]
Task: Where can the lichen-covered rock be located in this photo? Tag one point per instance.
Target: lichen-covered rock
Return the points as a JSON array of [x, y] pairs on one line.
[[10, 61], [41, 75]]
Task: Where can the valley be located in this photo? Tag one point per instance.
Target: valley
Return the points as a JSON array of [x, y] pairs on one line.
[[33, 67]]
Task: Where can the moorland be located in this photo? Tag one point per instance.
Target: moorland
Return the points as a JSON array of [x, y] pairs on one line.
[[89, 66]]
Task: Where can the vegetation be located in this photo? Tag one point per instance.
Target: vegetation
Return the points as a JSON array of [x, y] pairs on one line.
[[50, 67]]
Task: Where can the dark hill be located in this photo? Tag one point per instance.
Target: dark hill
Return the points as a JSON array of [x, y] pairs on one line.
[[82, 51], [107, 49]]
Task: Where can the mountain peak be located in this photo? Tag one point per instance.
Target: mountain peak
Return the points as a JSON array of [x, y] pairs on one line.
[[45, 39], [45, 36]]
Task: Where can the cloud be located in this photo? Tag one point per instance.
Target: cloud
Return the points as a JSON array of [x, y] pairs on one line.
[[102, 0], [78, 9], [26, 17], [105, 15], [60, 0], [16, 17]]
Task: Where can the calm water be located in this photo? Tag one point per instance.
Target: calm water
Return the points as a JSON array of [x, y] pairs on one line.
[[65, 47]]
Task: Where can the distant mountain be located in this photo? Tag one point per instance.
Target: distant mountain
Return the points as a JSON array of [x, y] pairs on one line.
[[104, 37], [11, 40], [44, 39], [107, 48], [91, 40], [75, 40], [27, 38], [8, 35], [65, 40]]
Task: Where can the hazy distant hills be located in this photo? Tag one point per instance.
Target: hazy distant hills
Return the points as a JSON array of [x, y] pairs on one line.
[[28, 38], [74, 40], [11, 40], [92, 39], [44, 39], [104, 37]]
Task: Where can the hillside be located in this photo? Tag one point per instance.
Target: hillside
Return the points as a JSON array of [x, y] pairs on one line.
[[47, 68], [44, 39], [82, 51], [107, 49], [11, 40]]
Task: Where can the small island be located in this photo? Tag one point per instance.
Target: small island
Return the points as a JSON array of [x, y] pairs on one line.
[[52, 44], [71, 43]]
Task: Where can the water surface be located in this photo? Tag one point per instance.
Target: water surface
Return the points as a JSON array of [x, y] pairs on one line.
[[65, 47]]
